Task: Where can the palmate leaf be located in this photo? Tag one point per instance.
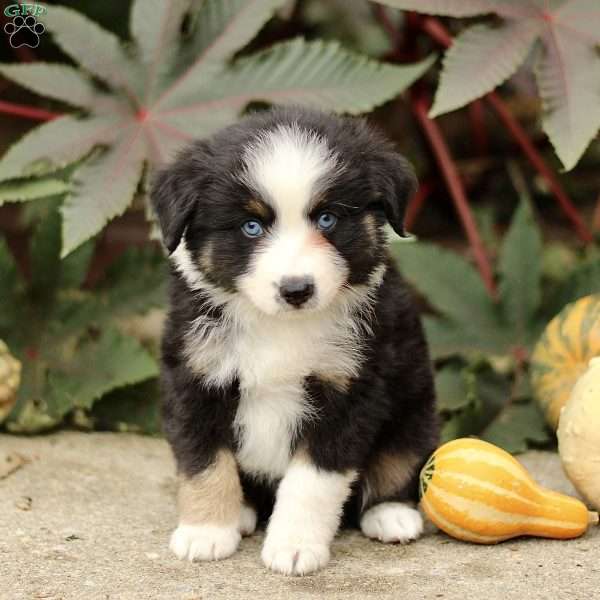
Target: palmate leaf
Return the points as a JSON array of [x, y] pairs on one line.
[[102, 188], [99, 366], [568, 78], [450, 284], [568, 72], [168, 89], [489, 55], [520, 271], [315, 74]]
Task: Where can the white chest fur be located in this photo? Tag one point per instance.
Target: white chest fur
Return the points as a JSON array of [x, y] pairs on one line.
[[271, 358]]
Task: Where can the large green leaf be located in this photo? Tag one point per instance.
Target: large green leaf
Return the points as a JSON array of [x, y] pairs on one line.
[[95, 49], [168, 88], [30, 189], [517, 425], [568, 78], [98, 366], [520, 270], [222, 28], [450, 284], [319, 74], [55, 144], [102, 189], [448, 339], [489, 55], [59, 82]]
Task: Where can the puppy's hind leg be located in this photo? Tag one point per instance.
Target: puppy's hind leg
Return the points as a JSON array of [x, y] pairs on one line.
[[388, 492]]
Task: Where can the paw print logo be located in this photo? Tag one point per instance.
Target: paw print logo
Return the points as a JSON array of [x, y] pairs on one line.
[[24, 31]]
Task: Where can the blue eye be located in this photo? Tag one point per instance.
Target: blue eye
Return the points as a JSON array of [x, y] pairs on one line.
[[252, 229], [326, 221]]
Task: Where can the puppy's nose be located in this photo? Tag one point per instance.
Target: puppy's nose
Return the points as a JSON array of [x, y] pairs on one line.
[[296, 290]]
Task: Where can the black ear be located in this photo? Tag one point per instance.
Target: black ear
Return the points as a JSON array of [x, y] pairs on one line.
[[174, 195], [396, 183]]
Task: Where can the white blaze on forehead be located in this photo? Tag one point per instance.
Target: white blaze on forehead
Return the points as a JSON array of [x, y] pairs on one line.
[[287, 166]]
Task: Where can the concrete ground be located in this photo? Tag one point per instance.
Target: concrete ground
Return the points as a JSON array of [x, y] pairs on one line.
[[88, 517]]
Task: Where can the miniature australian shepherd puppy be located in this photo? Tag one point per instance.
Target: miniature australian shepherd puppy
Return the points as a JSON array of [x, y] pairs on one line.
[[296, 379]]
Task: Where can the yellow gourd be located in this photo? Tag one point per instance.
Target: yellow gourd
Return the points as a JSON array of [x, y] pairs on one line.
[[579, 435], [562, 354], [477, 492]]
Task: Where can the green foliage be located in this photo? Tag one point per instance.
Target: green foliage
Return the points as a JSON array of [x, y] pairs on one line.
[[567, 65], [139, 103], [482, 343], [66, 336]]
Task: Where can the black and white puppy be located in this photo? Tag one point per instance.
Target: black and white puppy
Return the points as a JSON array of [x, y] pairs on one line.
[[297, 383]]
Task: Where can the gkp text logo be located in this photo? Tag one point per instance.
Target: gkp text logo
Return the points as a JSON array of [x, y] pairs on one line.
[[24, 29]]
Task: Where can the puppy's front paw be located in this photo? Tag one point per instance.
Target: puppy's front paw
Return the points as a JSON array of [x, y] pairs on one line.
[[294, 559], [204, 542], [392, 522]]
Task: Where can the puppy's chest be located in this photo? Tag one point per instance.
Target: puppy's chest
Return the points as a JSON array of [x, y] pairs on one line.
[[271, 363]]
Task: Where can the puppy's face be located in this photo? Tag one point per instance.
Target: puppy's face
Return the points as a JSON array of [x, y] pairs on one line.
[[286, 214]]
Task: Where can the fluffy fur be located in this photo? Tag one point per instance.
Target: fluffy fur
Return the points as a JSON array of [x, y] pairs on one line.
[[297, 351]]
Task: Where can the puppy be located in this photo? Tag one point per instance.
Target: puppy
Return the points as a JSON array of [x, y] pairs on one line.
[[297, 383]]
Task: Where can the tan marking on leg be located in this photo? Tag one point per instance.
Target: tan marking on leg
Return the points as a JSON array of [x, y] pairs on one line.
[[213, 496], [387, 474], [371, 227]]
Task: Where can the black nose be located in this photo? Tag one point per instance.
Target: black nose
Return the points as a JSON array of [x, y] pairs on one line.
[[296, 290]]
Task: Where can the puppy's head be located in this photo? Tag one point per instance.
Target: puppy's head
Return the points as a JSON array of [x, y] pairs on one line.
[[285, 208]]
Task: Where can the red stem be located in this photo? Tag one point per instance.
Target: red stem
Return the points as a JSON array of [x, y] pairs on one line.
[[439, 33], [596, 222], [538, 162], [29, 112], [456, 189], [416, 203], [478, 128]]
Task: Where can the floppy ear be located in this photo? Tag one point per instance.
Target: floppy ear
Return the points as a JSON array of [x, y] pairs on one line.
[[174, 195], [396, 182]]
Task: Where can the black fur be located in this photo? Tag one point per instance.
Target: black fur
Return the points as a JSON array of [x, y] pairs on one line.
[[389, 407]]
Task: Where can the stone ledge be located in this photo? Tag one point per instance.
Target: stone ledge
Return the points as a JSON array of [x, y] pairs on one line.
[[102, 508]]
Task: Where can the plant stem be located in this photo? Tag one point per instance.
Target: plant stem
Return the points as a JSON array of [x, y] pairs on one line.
[[436, 30], [415, 204], [29, 112], [538, 162], [456, 189]]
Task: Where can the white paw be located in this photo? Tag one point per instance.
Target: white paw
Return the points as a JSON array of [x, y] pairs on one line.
[[294, 559], [392, 522], [247, 520], [204, 542]]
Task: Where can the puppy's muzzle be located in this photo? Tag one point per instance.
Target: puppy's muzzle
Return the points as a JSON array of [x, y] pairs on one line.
[[296, 291]]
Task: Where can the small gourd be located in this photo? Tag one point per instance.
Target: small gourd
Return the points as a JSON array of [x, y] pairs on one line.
[[579, 435], [477, 492], [562, 354]]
